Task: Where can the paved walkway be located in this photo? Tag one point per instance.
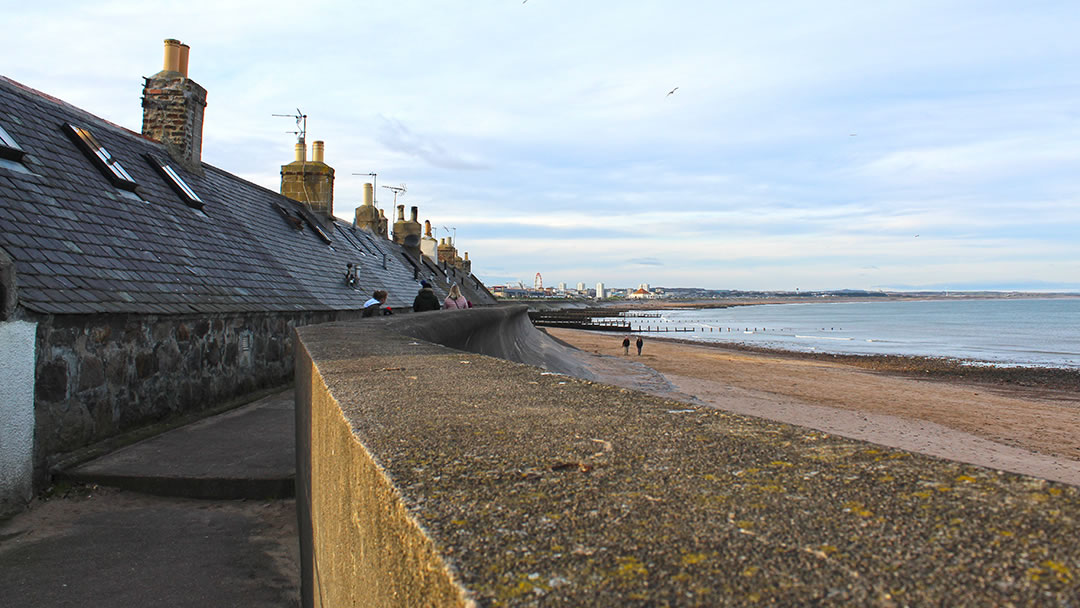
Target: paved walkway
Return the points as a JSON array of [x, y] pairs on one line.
[[199, 516]]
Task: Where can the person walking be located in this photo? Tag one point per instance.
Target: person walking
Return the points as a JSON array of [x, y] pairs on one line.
[[626, 345], [455, 300], [426, 299], [639, 343]]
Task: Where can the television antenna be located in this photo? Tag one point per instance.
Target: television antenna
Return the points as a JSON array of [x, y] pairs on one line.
[[301, 125], [374, 187], [397, 190], [454, 229]]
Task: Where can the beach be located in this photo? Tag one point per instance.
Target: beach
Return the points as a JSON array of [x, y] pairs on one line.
[[1002, 421]]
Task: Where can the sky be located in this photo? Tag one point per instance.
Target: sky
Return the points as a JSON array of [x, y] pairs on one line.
[[808, 145]]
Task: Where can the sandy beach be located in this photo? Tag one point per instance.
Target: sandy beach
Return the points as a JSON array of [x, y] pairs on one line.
[[1023, 428]]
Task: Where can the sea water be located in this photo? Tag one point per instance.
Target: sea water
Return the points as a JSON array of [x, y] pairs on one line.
[[1028, 332]]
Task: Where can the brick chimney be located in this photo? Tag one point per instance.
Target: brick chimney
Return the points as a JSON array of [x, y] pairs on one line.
[[310, 181], [173, 108]]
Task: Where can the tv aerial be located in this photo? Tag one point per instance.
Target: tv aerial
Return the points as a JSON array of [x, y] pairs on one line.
[[397, 190], [301, 125]]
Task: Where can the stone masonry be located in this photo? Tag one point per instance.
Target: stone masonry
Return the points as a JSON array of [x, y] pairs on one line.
[[102, 375]]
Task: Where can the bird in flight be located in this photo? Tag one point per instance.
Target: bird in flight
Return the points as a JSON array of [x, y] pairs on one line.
[[671, 91]]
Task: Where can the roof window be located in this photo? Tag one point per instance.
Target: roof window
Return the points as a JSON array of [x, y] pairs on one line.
[[109, 166], [8, 148], [176, 182]]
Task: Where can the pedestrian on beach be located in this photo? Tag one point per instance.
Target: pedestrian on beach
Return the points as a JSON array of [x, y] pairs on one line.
[[426, 299], [374, 305], [626, 345], [455, 300], [639, 343]]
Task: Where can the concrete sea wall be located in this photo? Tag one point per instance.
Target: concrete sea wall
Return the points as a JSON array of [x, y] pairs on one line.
[[431, 475]]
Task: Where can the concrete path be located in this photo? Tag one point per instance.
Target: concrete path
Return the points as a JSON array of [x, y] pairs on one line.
[[194, 544], [244, 453]]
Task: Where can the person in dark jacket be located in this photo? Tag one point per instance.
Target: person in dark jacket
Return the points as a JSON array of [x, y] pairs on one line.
[[426, 299], [638, 344]]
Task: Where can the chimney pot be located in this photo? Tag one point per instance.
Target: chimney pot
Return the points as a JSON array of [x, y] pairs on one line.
[[414, 211], [317, 149], [427, 228], [301, 152], [183, 60], [401, 213], [369, 194], [172, 55]]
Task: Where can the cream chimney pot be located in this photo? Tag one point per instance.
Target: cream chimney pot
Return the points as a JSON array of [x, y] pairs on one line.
[[317, 149], [172, 55], [369, 194], [183, 62], [301, 152]]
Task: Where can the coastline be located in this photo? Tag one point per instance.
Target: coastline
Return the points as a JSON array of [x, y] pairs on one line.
[[1015, 419]]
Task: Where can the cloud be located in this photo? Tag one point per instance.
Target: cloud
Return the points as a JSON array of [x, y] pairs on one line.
[[397, 137], [646, 262]]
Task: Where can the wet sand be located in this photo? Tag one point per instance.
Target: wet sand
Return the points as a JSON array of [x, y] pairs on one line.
[[976, 417]]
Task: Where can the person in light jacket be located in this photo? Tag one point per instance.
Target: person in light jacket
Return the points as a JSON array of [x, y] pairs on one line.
[[455, 299]]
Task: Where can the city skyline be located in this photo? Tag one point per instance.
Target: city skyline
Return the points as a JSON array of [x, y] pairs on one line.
[[915, 145]]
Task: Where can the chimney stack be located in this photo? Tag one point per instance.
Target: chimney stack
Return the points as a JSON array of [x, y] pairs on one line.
[[310, 182], [366, 216], [173, 108], [428, 245], [407, 232]]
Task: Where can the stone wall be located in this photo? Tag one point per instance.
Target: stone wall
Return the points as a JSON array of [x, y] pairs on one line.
[[104, 374]]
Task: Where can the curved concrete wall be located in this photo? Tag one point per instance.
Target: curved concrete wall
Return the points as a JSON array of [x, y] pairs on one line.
[[504, 332]]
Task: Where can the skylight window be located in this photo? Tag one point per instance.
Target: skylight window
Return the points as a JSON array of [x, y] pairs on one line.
[[176, 182], [9, 149], [109, 166]]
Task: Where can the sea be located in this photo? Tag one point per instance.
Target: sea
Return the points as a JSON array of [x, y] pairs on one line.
[[1000, 332]]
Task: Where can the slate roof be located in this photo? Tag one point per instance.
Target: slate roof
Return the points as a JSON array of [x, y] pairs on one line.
[[82, 245]]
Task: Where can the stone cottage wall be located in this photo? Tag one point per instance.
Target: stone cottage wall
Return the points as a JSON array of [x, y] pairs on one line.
[[104, 374]]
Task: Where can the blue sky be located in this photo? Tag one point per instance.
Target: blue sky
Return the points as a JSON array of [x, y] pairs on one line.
[[810, 145]]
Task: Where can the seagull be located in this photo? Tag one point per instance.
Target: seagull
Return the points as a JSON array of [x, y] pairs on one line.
[[671, 91]]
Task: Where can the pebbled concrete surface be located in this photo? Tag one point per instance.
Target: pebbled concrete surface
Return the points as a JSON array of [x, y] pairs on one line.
[[541, 489]]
